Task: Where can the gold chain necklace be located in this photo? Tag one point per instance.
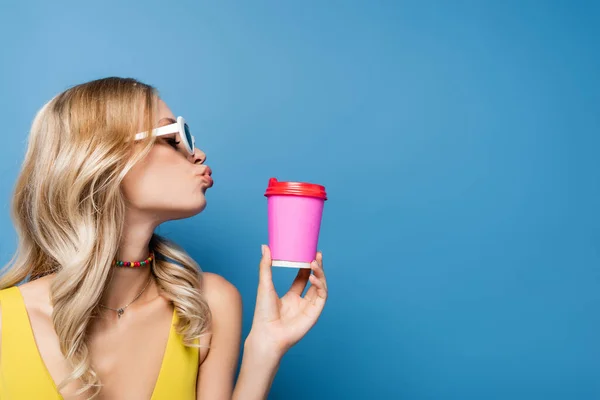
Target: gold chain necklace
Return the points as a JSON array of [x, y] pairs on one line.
[[121, 311]]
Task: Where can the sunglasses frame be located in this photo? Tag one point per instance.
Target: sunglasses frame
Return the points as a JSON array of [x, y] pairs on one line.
[[178, 127]]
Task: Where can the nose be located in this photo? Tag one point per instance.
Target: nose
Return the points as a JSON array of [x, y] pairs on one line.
[[198, 157]]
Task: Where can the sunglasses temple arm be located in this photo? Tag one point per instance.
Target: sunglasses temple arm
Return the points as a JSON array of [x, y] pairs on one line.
[[163, 130]]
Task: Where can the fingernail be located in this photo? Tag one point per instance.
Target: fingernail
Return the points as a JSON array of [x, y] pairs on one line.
[[262, 249]]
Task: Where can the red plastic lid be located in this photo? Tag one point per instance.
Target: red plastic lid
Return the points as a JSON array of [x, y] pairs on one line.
[[295, 189]]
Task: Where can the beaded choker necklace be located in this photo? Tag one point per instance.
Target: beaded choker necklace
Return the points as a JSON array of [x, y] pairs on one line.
[[134, 264]]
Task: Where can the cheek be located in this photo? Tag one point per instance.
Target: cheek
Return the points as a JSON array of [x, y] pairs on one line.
[[162, 181]]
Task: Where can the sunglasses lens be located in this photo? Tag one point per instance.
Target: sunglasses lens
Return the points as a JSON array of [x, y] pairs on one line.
[[188, 135]]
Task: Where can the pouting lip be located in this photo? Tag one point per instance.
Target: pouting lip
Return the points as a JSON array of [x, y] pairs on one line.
[[207, 178], [205, 171]]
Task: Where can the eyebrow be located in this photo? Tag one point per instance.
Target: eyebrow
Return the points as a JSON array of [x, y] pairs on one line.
[[167, 119]]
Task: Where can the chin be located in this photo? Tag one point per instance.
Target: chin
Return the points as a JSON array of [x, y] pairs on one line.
[[197, 207], [200, 208], [189, 211], [200, 204]]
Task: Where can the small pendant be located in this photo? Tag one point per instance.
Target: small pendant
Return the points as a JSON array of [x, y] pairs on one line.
[[120, 312]]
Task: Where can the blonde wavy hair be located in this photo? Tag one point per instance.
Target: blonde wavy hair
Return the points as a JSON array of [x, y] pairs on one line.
[[68, 210]]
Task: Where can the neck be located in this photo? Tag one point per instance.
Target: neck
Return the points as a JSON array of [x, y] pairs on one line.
[[125, 283]]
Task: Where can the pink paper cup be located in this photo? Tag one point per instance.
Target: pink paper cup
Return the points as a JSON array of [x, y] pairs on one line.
[[295, 210]]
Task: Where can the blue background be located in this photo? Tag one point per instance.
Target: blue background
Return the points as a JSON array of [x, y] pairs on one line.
[[458, 142]]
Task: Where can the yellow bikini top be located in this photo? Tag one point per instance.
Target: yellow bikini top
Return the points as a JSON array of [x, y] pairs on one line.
[[23, 375]]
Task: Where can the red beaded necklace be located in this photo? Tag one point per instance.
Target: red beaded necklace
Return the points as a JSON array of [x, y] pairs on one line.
[[135, 264]]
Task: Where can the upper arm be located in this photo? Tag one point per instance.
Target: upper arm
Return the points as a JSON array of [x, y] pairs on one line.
[[217, 371]]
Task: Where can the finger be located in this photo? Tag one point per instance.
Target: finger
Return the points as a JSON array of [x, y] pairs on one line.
[[265, 274], [319, 258], [311, 293], [300, 281], [318, 272], [319, 291]]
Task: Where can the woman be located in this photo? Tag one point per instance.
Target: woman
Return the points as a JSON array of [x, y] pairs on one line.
[[110, 310]]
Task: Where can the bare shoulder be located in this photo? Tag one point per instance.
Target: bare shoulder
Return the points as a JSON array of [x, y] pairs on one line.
[[218, 363], [220, 293], [225, 304], [36, 298], [36, 294]]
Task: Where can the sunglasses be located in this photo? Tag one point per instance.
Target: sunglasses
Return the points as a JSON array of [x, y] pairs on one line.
[[180, 127]]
